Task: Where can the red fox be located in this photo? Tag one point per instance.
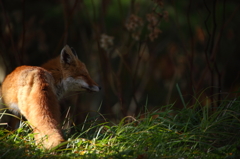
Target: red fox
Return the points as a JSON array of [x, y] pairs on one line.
[[35, 92]]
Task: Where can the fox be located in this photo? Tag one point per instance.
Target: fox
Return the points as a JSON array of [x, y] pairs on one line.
[[35, 92]]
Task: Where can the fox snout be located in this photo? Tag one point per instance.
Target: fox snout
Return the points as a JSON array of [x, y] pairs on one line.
[[93, 88]]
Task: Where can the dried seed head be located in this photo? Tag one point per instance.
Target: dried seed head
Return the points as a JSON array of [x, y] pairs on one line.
[[154, 33], [152, 19], [106, 41], [133, 23], [158, 2]]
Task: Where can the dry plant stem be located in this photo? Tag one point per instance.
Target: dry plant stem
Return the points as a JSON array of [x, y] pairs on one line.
[[14, 55], [212, 48], [135, 74], [132, 6], [67, 119], [67, 19], [209, 49], [103, 9], [121, 9], [64, 37], [213, 57], [135, 86], [225, 23], [216, 47], [120, 94], [118, 80], [104, 62], [23, 32], [105, 65], [68, 16], [192, 49], [5, 64]]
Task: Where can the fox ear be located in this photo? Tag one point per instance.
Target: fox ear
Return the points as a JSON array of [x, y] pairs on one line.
[[74, 51], [67, 55]]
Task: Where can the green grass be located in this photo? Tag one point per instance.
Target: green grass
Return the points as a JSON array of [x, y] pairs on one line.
[[192, 132]]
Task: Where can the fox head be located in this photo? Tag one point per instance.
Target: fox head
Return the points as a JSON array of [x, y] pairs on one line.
[[75, 73]]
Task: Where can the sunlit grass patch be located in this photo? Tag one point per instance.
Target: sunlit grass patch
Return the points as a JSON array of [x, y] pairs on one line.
[[191, 132]]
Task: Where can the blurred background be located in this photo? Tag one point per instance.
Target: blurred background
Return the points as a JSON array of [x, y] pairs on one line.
[[144, 53]]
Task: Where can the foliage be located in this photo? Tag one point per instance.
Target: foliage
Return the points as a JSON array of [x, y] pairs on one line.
[[133, 48], [193, 132]]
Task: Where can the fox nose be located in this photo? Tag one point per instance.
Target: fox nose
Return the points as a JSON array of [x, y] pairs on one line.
[[93, 88], [99, 87]]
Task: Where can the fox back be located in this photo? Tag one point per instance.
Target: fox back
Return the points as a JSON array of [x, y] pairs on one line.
[[35, 92]]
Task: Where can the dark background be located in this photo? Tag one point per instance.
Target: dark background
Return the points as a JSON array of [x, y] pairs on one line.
[[150, 48]]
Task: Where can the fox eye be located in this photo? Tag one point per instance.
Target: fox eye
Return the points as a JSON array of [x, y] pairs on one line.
[[80, 77], [84, 76]]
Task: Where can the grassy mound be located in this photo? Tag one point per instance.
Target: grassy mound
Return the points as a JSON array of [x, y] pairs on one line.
[[192, 132]]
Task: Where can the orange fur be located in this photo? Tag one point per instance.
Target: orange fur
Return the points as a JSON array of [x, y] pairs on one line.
[[34, 92]]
